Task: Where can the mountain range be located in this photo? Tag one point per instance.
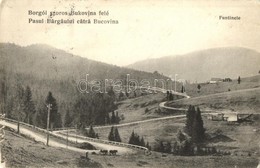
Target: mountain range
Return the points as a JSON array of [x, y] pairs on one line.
[[201, 66]]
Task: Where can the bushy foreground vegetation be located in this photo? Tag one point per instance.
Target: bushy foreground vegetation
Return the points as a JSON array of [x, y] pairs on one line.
[[190, 140]]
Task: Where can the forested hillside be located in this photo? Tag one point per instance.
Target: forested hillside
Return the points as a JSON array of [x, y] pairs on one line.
[[40, 70]]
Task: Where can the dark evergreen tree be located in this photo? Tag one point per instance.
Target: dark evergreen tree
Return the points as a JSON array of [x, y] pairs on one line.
[[91, 132], [67, 119], [148, 146], [182, 89], [113, 118], [117, 118], [134, 94], [187, 148], [199, 87], [19, 113], [84, 132], [142, 143], [121, 96], [55, 118], [180, 136], [239, 80], [183, 144], [198, 130], [111, 92], [194, 125], [116, 135], [132, 138], [137, 140], [111, 136], [170, 96], [29, 107], [167, 95], [83, 104], [3, 92], [190, 114]]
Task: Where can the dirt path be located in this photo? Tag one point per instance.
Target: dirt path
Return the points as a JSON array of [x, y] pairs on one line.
[[41, 138]]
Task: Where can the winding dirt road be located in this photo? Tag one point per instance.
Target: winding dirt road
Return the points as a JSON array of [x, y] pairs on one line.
[[53, 143]]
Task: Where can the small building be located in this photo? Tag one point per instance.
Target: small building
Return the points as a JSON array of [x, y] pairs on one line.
[[216, 117], [215, 80], [231, 117], [227, 80]]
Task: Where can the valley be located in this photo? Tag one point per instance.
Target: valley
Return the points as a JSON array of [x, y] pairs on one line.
[[82, 121]]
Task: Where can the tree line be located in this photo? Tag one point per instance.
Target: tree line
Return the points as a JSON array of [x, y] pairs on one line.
[[189, 141], [135, 139], [87, 109]]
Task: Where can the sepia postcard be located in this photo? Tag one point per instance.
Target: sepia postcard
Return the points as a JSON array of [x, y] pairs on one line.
[[128, 84]]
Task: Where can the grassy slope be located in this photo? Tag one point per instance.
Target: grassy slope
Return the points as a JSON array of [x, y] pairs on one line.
[[239, 101], [206, 89], [134, 109], [243, 97], [240, 138], [170, 161], [20, 151]]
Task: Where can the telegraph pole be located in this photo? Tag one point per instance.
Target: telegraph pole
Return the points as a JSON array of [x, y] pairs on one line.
[[76, 132], [48, 122], [175, 82], [67, 137]]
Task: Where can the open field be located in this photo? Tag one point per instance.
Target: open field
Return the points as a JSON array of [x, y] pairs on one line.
[[206, 89], [247, 101]]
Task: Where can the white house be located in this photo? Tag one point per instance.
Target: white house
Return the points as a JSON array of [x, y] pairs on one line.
[[215, 80]]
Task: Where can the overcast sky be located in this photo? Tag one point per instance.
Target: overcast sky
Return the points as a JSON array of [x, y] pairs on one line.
[[146, 29]]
